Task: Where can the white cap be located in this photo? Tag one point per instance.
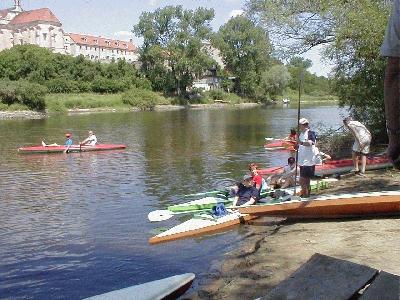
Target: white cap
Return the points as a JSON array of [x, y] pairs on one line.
[[303, 121]]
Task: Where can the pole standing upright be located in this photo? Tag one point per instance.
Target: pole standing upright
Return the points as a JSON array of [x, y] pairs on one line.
[[301, 77]]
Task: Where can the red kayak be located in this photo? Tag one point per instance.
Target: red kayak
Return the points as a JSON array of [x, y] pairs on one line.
[[73, 148], [337, 166], [280, 145]]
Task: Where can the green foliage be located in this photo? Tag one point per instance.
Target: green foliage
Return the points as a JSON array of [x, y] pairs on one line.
[[245, 50], [217, 94], [66, 74], [352, 32], [143, 99], [275, 80], [24, 93], [172, 46]]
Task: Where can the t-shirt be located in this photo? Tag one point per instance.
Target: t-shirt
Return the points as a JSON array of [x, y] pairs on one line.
[[258, 180], [391, 44], [68, 142], [289, 170], [360, 131], [92, 140], [245, 193], [306, 153]]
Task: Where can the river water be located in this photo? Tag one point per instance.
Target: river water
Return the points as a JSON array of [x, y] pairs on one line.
[[75, 225]]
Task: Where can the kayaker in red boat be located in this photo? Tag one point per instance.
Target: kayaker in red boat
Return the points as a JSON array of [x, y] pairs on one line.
[[68, 142], [259, 181], [391, 49], [361, 143], [91, 140], [306, 144], [247, 194], [286, 178]]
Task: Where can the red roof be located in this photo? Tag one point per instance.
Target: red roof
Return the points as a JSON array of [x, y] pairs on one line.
[[98, 41], [41, 14]]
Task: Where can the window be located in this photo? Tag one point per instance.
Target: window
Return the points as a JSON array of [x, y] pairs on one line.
[[96, 41], [44, 36], [117, 52], [86, 47]]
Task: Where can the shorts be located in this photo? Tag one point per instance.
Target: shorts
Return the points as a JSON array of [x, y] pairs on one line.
[[357, 148], [307, 171]]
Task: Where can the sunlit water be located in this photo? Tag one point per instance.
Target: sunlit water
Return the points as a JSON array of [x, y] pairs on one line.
[[75, 225]]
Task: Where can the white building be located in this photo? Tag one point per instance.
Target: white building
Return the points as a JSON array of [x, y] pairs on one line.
[[41, 27]]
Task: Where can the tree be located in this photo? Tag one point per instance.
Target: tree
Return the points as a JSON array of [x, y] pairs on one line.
[[275, 80], [351, 32], [245, 49], [172, 51]]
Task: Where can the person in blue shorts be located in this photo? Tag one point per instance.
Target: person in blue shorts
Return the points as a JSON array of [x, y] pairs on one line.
[[247, 193], [68, 141]]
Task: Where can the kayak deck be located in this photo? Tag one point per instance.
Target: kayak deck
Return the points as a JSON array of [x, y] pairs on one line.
[[332, 206], [200, 225], [73, 148]]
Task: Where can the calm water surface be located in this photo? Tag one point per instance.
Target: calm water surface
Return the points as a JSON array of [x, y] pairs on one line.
[[73, 226]]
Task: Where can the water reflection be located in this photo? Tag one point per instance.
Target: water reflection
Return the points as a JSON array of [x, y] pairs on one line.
[[76, 225]]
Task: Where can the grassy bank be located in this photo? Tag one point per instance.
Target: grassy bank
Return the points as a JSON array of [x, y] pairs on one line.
[[61, 103]]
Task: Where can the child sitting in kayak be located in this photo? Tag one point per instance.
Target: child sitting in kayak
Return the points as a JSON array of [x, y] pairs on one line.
[[247, 194], [259, 182], [68, 142], [286, 178]]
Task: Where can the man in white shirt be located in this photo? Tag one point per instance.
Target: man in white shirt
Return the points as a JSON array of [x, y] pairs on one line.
[[306, 143], [361, 143], [91, 140], [391, 49]]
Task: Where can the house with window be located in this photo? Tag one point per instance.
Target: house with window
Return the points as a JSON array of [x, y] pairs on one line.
[[41, 27]]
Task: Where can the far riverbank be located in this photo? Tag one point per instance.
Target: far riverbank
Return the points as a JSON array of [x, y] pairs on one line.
[[273, 249]]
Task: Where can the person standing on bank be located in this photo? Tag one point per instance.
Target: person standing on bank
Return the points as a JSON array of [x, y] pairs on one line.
[[306, 144], [391, 49], [361, 143]]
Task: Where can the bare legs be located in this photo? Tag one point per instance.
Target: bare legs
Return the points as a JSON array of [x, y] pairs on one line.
[[392, 108]]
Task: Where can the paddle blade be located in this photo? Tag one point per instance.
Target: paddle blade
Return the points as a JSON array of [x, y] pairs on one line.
[[159, 215], [269, 139]]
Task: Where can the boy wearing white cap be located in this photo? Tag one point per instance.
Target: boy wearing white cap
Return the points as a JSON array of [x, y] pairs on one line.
[[306, 144]]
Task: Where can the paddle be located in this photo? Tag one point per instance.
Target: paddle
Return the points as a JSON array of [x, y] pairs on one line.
[[217, 193], [162, 215]]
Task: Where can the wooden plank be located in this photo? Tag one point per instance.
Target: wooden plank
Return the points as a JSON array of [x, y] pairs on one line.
[[386, 286], [323, 278]]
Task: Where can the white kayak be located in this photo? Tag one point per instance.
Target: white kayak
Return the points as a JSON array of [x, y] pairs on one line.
[[200, 225], [167, 288]]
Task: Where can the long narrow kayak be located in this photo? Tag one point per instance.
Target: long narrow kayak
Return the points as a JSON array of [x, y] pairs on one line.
[[210, 202], [73, 148], [338, 166], [279, 145], [200, 225], [167, 288], [332, 206]]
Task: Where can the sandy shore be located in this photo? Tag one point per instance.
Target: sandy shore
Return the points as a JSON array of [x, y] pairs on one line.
[[275, 248]]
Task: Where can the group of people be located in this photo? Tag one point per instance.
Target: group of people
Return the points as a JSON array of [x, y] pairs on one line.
[[248, 191], [91, 140]]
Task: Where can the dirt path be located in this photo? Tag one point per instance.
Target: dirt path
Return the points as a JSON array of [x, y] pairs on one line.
[[270, 253]]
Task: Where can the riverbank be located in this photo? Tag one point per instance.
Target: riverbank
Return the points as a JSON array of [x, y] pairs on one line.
[[28, 114], [275, 248]]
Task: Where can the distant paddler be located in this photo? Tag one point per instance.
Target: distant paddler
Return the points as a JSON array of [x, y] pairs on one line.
[[91, 140], [68, 142]]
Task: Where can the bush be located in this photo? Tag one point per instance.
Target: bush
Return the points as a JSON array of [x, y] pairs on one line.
[[217, 94], [62, 85], [143, 99], [22, 92], [104, 85]]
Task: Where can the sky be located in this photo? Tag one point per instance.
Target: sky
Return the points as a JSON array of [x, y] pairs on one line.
[[115, 19]]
